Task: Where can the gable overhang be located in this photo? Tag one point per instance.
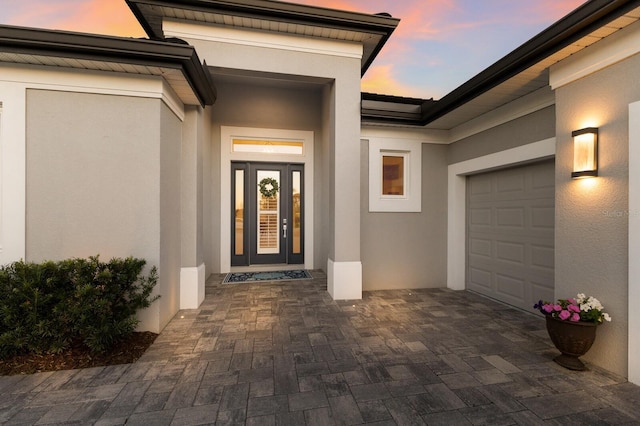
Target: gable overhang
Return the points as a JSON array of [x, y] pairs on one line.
[[372, 31], [526, 69], [173, 60]]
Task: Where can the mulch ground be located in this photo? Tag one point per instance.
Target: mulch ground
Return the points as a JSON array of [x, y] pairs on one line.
[[78, 356]]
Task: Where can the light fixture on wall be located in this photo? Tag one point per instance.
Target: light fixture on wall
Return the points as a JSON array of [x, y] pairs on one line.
[[585, 153]]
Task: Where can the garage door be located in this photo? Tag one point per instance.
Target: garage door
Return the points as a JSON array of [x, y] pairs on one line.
[[510, 234]]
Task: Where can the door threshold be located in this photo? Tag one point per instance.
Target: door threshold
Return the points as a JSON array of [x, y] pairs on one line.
[[266, 268]]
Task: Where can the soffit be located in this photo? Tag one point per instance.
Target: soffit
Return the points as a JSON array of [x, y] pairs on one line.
[[529, 80], [273, 16]]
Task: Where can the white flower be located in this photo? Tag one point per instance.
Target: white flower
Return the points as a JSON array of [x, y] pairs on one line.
[[606, 317]]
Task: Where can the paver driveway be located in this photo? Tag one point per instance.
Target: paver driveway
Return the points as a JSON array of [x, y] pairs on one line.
[[285, 353]]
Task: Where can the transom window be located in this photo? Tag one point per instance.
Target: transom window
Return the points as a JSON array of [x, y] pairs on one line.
[[264, 146]]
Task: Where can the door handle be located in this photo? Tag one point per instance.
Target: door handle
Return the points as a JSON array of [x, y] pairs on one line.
[[284, 228]]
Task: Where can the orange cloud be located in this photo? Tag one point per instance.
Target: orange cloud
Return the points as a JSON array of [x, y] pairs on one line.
[[381, 79], [111, 17], [104, 17]]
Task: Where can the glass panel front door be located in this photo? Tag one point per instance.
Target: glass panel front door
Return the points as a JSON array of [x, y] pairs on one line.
[[268, 202], [268, 214]]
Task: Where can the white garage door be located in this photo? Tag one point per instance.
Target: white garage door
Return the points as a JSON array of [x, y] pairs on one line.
[[510, 234]]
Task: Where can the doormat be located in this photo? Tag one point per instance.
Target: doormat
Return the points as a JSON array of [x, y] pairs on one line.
[[251, 277]]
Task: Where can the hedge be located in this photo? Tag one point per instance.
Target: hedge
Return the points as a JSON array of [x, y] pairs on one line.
[[46, 307]]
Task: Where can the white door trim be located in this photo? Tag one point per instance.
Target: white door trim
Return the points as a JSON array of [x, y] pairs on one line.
[[457, 196], [227, 156]]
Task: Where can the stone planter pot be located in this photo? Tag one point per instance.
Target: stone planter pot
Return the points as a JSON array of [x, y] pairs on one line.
[[573, 339]]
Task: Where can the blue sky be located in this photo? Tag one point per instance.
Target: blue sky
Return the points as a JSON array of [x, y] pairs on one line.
[[438, 45]]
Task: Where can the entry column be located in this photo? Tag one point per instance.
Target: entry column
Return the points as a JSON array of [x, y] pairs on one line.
[[344, 268], [192, 272]]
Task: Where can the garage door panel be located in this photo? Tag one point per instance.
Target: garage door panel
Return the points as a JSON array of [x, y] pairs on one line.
[[510, 234], [510, 287], [543, 257], [480, 279], [512, 182], [511, 252], [510, 217], [543, 217], [480, 186], [542, 291], [481, 217], [480, 247], [543, 180]]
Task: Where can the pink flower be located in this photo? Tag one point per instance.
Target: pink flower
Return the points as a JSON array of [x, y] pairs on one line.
[[564, 315], [557, 308], [548, 308], [572, 301], [575, 317], [574, 308]]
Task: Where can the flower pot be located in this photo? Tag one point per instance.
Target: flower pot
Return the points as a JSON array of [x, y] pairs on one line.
[[573, 339]]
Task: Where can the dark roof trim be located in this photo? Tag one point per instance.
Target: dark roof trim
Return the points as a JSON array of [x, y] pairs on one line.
[[366, 96], [374, 110], [167, 54], [381, 24], [582, 21]]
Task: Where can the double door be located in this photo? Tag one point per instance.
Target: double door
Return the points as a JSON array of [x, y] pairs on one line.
[[267, 217]]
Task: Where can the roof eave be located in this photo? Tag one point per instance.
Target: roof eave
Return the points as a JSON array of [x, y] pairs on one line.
[[381, 25], [572, 27], [142, 52]]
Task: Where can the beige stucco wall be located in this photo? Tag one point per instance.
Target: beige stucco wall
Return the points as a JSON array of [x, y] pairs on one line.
[[592, 214], [210, 192], [170, 214], [408, 250], [192, 189], [94, 170], [534, 127]]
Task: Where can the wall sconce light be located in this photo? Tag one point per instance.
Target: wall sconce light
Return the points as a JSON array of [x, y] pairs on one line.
[[585, 153]]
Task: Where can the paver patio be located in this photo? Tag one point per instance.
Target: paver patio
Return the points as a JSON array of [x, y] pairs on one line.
[[285, 353]]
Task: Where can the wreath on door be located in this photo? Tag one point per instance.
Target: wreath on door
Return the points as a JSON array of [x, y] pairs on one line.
[[268, 187]]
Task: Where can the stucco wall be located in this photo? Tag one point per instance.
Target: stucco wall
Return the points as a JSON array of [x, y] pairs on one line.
[[210, 210], [192, 191], [408, 250], [322, 190], [533, 127], [592, 214], [170, 214], [93, 169]]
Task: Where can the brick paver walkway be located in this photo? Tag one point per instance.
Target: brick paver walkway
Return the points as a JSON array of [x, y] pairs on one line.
[[286, 354]]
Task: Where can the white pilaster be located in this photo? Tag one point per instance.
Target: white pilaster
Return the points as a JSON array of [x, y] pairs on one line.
[[192, 287], [344, 280]]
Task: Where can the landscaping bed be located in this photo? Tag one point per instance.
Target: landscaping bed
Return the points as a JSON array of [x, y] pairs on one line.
[[78, 356]]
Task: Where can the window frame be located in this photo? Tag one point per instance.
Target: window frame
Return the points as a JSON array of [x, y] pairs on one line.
[[411, 200]]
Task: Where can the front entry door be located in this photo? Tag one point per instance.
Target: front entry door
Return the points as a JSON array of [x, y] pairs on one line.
[[268, 220]]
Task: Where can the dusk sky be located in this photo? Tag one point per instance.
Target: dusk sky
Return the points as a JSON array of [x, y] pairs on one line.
[[438, 45]]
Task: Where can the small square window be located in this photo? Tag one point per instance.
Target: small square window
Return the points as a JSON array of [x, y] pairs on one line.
[[393, 179], [395, 175]]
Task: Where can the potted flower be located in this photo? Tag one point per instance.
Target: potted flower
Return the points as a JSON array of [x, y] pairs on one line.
[[572, 324]]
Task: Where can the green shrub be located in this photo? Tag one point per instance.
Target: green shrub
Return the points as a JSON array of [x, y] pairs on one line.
[[48, 306]]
